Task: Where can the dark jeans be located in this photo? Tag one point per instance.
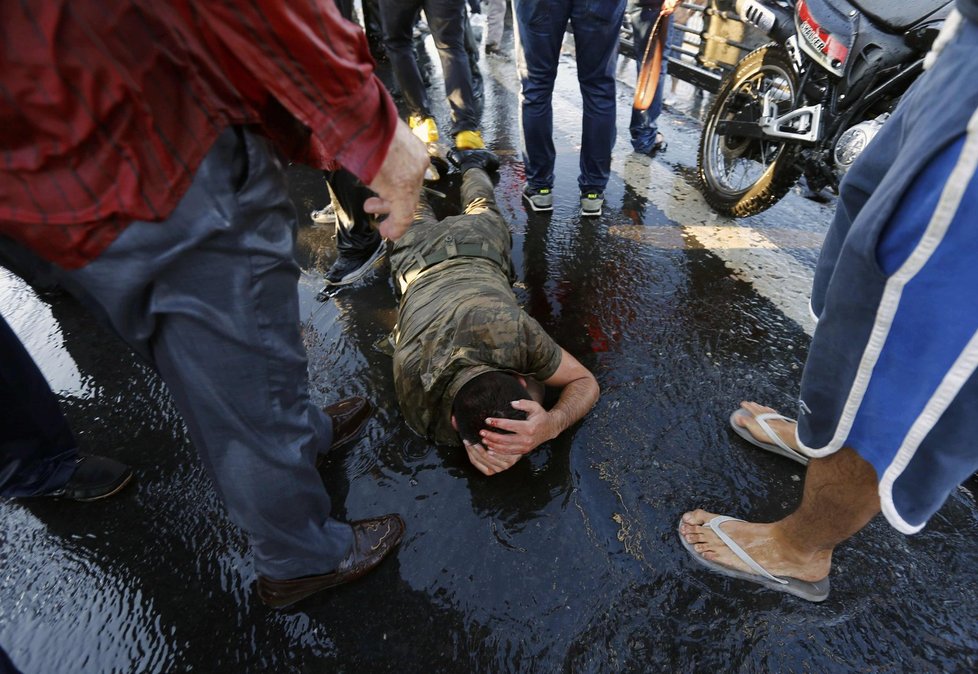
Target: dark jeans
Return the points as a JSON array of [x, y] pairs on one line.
[[644, 124], [371, 19], [355, 236], [540, 27], [446, 19], [37, 448]]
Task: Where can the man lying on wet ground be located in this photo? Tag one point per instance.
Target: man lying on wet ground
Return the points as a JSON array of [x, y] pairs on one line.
[[470, 365]]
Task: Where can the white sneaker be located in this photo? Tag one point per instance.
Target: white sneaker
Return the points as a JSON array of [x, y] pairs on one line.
[[591, 204], [324, 216]]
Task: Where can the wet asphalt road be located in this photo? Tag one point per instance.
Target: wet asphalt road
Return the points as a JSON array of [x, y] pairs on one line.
[[569, 561]]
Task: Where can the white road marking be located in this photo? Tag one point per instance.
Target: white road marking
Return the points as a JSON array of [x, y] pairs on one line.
[[750, 256]]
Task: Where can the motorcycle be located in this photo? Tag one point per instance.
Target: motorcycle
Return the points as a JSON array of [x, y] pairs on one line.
[[810, 101]]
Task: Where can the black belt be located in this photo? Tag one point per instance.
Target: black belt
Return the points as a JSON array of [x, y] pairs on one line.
[[423, 263]]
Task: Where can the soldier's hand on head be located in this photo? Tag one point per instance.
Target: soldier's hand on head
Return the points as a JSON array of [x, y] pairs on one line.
[[489, 463], [524, 436]]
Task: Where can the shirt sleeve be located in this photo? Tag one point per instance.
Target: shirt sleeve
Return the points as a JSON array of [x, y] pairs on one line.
[[541, 353], [319, 68]]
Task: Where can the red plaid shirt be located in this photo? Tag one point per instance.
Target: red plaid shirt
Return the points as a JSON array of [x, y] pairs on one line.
[[107, 108]]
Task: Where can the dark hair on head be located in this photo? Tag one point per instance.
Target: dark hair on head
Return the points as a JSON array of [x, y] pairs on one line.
[[487, 395]]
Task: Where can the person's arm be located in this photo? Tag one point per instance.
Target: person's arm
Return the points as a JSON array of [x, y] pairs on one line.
[[318, 66], [398, 183], [579, 392], [670, 6]]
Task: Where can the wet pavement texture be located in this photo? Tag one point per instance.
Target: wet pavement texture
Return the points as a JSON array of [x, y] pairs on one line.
[[570, 561]]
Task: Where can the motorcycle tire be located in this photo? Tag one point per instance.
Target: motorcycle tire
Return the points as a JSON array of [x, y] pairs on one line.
[[742, 176]]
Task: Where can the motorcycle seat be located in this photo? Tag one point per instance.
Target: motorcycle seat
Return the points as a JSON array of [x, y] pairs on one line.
[[897, 17]]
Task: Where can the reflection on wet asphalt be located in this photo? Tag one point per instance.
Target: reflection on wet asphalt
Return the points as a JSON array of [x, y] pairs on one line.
[[569, 561]]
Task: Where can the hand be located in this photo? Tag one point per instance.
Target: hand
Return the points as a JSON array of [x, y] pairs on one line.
[[670, 6], [489, 463], [398, 183], [525, 436]]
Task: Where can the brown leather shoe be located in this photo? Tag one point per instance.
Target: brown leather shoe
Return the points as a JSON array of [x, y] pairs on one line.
[[373, 539], [349, 419]]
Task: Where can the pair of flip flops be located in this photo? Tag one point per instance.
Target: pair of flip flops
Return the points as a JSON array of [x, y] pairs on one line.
[[811, 591]]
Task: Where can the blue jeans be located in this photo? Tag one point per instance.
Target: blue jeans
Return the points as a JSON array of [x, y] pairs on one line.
[[644, 124], [37, 448], [209, 297], [540, 26]]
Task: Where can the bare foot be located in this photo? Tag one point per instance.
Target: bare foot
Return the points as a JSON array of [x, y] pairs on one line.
[[763, 542], [784, 429]]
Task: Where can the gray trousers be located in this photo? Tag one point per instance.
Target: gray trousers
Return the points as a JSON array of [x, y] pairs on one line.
[[209, 297], [495, 11]]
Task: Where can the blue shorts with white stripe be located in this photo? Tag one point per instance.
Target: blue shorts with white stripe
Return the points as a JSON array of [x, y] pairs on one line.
[[891, 370]]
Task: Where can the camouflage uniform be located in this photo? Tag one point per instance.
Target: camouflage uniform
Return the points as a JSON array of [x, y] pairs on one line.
[[458, 317]]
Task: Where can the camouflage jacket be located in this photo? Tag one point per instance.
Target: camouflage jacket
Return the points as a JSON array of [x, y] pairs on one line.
[[459, 319]]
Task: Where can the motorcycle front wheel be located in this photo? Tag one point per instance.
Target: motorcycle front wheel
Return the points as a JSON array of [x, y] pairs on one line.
[[740, 175]]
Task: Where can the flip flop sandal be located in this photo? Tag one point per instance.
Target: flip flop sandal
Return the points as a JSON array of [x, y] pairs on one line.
[[812, 591], [777, 445]]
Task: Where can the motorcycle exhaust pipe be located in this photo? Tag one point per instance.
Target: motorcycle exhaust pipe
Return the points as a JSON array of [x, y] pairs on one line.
[[775, 21]]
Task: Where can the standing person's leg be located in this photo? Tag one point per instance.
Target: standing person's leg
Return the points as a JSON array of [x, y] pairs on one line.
[[596, 30], [210, 298], [644, 127], [346, 9], [38, 452], [840, 497], [397, 18], [358, 243], [914, 427], [472, 51], [37, 448], [374, 29], [495, 22], [539, 28], [899, 290], [446, 19]]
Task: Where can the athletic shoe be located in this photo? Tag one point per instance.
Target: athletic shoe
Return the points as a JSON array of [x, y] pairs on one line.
[[324, 216], [539, 198], [591, 203], [469, 140]]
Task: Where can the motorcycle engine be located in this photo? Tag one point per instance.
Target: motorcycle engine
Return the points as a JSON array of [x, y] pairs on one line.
[[854, 141]]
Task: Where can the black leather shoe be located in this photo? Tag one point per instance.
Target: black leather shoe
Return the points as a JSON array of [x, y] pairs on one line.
[[466, 159], [373, 539], [351, 267], [349, 419], [95, 477]]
